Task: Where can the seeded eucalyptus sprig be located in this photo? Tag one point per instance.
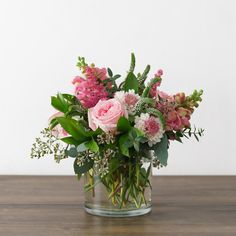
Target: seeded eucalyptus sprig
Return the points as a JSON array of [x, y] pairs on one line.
[[48, 144]]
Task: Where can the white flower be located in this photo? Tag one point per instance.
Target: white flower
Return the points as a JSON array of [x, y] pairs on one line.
[[129, 99], [151, 126]]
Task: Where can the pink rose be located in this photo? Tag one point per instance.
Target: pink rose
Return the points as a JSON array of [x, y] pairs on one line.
[[58, 131], [106, 114]]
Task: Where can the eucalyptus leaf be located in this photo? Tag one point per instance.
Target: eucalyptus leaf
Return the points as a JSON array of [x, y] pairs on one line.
[[161, 150], [88, 164], [72, 152], [109, 72]]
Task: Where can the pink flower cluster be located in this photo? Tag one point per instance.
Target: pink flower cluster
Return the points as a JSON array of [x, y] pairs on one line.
[[153, 91], [176, 116], [90, 90]]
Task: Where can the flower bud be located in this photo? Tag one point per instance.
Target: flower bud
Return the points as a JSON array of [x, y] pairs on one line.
[[180, 97]]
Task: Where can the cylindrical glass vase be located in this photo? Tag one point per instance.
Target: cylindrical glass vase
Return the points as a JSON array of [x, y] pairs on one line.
[[123, 193]]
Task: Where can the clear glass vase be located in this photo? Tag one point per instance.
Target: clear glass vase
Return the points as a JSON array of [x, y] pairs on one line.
[[123, 193]]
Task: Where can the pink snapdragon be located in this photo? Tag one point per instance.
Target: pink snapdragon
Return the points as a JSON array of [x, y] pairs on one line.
[[90, 90], [94, 73], [176, 117], [153, 91]]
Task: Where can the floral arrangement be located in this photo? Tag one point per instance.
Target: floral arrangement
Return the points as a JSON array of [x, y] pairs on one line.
[[111, 130]]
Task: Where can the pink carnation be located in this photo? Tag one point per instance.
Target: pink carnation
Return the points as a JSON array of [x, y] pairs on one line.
[[151, 127]]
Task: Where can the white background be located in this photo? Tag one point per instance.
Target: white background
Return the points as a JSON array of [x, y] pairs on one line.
[[192, 41]]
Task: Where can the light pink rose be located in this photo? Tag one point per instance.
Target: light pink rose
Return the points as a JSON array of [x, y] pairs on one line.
[[106, 114], [58, 131]]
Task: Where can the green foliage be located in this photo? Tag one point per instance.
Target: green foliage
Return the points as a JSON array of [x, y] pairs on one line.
[[131, 139], [123, 125], [72, 152], [59, 103], [124, 144], [131, 82], [148, 88], [92, 145], [73, 127], [196, 133], [81, 169], [70, 140], [109, 72], [132, 63], [161, 150], [88, 145], [142, 78]]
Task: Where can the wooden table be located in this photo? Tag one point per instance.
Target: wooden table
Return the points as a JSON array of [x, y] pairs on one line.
[[53, 206]]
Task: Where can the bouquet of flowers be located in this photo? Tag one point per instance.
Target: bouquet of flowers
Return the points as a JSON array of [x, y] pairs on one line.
[[112, 130]]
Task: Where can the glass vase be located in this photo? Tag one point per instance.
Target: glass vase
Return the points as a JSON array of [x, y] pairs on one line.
[[123, 193]]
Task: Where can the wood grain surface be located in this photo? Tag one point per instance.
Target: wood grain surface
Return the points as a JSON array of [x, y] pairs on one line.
[[53, 206]]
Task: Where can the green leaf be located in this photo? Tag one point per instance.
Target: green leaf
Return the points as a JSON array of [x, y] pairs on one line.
[[115, 77], [123, 125], [109, 72], [84, 168], [55, 102], [161, 150], [132, 63], [74, 128], [123, 144], [72, 152], [143, 77], [131, 82], [69, 97], [82, 147], [92, 145], [70, 140], [53, 123], [148, 88]]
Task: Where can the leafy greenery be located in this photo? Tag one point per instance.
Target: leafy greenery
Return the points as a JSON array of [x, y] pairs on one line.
[[88, 164], [123, 125], [59, 103], [131, 82], [73, 127], [121, 160], [161, 150]]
